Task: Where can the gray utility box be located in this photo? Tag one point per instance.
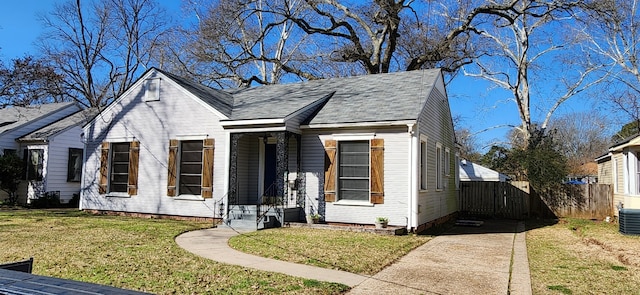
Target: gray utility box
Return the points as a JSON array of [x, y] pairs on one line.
[[629, 220]]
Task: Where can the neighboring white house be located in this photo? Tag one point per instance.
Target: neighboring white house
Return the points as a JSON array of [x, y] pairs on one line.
[[43, 137], [470, 171], [351, 149], [620, 167]]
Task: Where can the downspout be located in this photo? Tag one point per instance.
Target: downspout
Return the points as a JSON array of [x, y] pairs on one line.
[[414, 147]]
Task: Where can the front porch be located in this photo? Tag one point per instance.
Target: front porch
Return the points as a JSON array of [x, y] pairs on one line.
[[266, 188]]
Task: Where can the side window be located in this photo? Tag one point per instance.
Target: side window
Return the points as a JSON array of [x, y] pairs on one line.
[[74, 166], [447, 162], [423, 163], [439, 166]]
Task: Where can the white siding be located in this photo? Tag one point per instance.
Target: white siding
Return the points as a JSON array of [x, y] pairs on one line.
[[153, 124], [58, 160], [435, 122], [396, 178]]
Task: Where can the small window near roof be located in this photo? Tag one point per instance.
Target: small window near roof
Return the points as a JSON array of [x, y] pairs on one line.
[[152, 90]]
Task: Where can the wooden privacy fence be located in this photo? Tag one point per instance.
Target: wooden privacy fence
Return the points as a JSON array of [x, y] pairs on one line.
[[516, 200], [495, 199], [590, 201]]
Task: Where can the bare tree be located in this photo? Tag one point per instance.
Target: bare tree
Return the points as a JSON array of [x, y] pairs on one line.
[[522, 52], [29, 81], [101, 46], [581, 137], [468, 146], [238, 42], [265, 41], [613, 36]]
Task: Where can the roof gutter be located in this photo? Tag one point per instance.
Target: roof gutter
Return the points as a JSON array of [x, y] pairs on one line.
[[359, 124]]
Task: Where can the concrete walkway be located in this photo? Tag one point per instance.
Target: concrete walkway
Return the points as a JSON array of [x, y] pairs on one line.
[[213, 244], [490, 259]]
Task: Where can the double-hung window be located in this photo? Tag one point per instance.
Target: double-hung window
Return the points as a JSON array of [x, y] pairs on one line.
[[354, 170], [190, 168], [353, 174], [119, 174], [119, 168]]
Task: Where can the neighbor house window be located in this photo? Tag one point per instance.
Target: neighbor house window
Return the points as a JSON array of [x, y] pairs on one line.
[[119, 167], [614, 174], [74, 166], [190, 167], [423, 164], [353, 172], [34, 159], [439, 166], [637, 174]]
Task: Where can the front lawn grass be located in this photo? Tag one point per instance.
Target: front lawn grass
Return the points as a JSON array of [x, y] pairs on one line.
[[577, 256], [132, 253], [362, 253]]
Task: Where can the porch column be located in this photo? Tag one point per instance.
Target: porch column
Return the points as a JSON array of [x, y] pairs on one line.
[[282, 162], [233, 169]]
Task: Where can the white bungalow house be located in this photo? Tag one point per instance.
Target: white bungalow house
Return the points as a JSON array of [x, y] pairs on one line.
[[620, 167], [351, 149], [47, 137]]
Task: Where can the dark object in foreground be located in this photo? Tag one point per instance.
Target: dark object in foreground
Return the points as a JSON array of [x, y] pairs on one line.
[[21, 266], [15, 282]]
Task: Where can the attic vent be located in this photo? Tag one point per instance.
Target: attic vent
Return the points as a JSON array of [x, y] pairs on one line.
[[629, 221], [152, 90]]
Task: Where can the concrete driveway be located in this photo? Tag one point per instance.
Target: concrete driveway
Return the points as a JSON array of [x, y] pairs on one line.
[[490, 259], [464, 260]]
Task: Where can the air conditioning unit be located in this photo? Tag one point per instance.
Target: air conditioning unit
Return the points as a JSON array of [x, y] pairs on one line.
[[629, 221]]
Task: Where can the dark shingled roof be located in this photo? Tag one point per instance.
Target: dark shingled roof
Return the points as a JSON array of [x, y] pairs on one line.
[[13, 117], [370, 98], [220, 100], [76, 119]]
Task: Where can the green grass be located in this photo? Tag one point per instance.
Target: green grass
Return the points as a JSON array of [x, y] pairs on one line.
[[355, 252], [132, 253], [578, 256]]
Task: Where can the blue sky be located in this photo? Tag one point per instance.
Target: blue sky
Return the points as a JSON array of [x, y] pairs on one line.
[[473, 100]]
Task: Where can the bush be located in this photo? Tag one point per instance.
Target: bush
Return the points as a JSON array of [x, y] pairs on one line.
[[74, 202], [49, 200]]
